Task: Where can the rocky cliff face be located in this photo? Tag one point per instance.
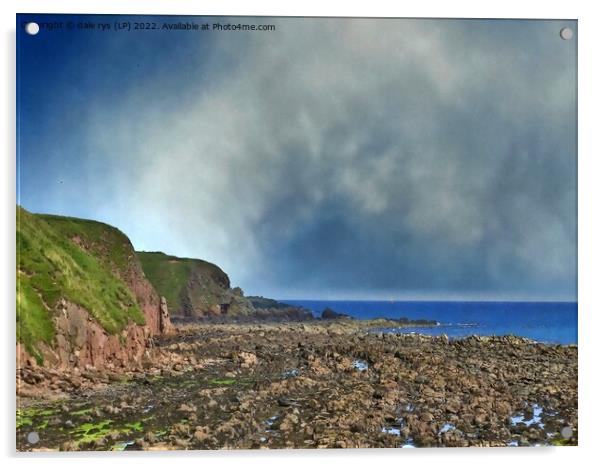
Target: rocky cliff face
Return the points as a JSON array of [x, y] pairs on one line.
[[82, 298], [193, 287]]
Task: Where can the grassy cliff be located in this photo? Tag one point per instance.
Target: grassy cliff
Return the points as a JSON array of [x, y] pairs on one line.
[[74, 259], [192, 287]]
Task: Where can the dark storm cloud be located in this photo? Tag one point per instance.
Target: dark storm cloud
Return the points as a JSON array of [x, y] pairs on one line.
[[361, 158]]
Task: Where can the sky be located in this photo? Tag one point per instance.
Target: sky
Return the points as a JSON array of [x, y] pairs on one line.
[[330, 158]]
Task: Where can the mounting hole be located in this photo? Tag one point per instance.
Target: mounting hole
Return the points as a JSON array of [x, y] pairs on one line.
[[566, 33], [33, 437], [32, 28], [566, 432]]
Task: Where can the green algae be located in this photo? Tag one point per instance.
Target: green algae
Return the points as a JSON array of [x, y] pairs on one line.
[[42, 425], [23, 421], [223, 381], [90, 431], [30, 416], [188, 384], [559, 441], [134, 426]]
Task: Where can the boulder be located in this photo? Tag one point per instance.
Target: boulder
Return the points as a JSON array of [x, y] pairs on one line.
[[328, 314]]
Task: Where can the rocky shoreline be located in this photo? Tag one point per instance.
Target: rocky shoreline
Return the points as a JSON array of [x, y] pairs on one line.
[[317, 384]]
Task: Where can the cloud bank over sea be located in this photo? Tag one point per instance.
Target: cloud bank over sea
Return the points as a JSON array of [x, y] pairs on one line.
[[330, 158]]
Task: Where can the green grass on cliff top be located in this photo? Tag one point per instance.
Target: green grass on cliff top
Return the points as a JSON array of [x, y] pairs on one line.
[[106, 243], [51, 266], [169, 274]]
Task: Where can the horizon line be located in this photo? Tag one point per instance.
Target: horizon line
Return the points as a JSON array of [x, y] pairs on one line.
[[435, 300]]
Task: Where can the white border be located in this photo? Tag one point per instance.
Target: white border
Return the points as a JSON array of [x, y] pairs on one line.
[[590, 231]]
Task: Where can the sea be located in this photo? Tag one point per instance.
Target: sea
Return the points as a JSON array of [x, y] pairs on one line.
[[546, 322]]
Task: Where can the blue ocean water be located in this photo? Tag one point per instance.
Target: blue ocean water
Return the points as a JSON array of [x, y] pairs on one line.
[[548, 322]]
